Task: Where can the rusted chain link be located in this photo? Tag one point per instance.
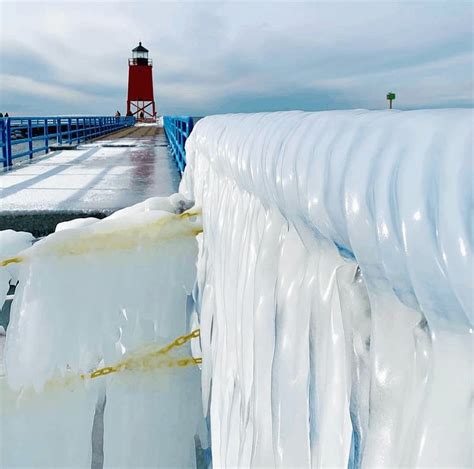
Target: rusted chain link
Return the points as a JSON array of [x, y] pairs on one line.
[[146, 360], [179, 341]]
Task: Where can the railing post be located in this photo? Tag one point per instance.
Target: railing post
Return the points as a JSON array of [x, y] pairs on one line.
[[46, 136], [30, 139], [8, 134], [58, 131], [2, 136], [4, 142], [69, 139], [78, 135]]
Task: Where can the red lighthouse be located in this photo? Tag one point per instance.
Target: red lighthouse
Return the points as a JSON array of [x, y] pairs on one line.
[[140, 101]]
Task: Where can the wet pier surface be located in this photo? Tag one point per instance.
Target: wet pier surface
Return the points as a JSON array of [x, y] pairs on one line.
[[138, 132], [95, 179]]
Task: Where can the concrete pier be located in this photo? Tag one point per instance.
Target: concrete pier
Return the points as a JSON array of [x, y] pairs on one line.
[[95, 179]]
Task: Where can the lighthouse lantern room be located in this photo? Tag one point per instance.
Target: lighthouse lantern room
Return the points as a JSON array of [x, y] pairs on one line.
[[140, 101]]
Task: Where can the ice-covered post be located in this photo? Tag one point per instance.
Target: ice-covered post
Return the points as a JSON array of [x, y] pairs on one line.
[[391, 96]]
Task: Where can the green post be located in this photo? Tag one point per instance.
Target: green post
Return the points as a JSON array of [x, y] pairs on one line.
[[391, 96]]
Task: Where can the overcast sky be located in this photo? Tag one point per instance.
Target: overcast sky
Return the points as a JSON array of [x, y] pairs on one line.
[[66, 57]]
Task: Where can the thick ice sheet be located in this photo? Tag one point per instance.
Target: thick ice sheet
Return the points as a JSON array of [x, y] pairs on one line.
[[334, 286], [88, 296]]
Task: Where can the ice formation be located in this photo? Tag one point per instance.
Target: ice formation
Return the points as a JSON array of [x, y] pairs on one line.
[[334, 287], [90, 295], [11, 242]]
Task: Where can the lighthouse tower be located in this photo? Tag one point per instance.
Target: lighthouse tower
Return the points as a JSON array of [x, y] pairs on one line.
[[140, 101]]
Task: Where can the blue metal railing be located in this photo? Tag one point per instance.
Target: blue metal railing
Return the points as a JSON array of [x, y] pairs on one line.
[[178, 129], [25, 136]]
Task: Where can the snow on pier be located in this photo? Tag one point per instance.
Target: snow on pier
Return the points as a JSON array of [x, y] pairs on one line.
[[95, 179]]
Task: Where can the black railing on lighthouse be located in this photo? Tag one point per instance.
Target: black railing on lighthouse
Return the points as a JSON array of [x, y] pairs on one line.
[[26, 136]]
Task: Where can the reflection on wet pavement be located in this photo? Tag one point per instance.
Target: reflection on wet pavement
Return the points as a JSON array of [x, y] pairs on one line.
[[93, 176], [102, 176]]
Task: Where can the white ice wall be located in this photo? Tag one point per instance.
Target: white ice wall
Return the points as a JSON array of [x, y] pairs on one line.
[[334, 286]]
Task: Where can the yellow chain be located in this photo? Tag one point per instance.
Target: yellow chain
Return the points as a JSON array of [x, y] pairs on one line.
[[181, 340], [118, 239], [135, 362]]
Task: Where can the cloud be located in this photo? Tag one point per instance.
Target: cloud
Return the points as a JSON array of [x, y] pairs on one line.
[[28, 86], [228, 56]]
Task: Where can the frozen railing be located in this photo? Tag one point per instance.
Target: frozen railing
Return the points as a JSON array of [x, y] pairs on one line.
[[25, 136], [334, 286], [118, 367], [178, 129]]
